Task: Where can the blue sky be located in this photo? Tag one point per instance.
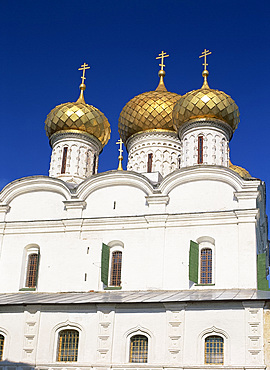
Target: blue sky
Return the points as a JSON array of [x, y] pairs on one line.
[[43, 43]]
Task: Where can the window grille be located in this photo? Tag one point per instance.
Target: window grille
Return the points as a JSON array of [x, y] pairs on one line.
[[32, 269], [68, 343], [150, 162], [206, 266], [200, 149], [116, 266], [138, 349], [214, 350], [64, 160], [2, 340]]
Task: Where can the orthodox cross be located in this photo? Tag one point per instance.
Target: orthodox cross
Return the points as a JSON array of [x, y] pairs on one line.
[[161, 56], [204, 55], [120, 143], [84, 66]]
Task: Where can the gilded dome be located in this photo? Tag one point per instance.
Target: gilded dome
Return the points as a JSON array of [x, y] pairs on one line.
[[240, 170], [148, 111], [206, 103], [80, 117]]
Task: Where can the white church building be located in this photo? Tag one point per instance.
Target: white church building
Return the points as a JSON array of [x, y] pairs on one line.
[[161, 266]]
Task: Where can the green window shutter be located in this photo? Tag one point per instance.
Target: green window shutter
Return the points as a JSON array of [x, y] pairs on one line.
[[262, 282], [193, 261], [105, 256]]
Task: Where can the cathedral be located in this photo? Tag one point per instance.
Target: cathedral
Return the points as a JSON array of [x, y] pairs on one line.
[[160, 266]]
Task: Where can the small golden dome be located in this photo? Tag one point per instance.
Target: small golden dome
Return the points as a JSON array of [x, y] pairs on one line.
[[80, 117], [240, 170], [148, 111], [206, 103]]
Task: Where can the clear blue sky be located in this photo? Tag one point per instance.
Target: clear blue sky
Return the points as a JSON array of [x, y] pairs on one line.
[[44, 42]]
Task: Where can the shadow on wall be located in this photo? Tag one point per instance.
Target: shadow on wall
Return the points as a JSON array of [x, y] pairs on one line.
[[9, 365]]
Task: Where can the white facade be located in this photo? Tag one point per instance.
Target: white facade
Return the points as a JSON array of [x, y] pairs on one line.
[[176, 333], [200, 203], [152, 226]]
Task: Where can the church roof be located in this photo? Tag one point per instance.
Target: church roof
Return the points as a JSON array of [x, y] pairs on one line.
[[149, 111], [148, 296]]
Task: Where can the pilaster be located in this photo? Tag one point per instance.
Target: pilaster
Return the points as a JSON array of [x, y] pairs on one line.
[[175, 314], [254, 332], [106, 315], [31, 327]]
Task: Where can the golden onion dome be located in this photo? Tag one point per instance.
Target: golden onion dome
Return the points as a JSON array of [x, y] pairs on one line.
[[240, 170], [206, 103], [151, 110], [78, 117]]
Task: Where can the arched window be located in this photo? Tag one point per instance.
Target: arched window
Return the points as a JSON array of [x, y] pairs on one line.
[[214, 350], [68, 343], [94, 164], [2, 341], [116, 266], [64, 160], [200, 149], [150, 162], [206, 266], [138, 349], [32, 270]]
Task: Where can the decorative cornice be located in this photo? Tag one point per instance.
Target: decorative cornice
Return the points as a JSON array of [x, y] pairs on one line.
[[74, 134], [206, 123], [152, 135], [138, 222]]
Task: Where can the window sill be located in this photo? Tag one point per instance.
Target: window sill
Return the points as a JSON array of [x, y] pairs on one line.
[[113, 288], [204, 284], [27, 289]]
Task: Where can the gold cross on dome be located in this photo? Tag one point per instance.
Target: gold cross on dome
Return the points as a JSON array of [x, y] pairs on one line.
[[204, 55], [161, 56], [120, 143], [84, 66]]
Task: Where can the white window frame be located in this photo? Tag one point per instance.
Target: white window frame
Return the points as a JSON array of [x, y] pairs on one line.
[[55, 338], [29, 249], [201, 345], [139, 331]]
